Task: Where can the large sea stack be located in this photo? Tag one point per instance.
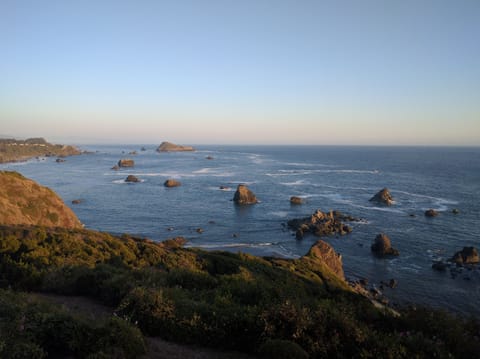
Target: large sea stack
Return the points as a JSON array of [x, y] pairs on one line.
[[244, 196], [171, 147], [383, 197], [23, 201]]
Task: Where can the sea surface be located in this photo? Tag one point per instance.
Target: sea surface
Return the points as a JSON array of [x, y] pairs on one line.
[[328, 177]]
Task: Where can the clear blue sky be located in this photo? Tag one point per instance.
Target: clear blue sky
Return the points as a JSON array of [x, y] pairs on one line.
[[251, 71]]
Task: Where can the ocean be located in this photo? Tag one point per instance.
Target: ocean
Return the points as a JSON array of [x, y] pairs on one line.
[[327, 177]]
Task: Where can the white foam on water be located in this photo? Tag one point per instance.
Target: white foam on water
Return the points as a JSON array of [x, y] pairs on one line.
[[229, 245], [204, 170], [295, 183], [281, 214]]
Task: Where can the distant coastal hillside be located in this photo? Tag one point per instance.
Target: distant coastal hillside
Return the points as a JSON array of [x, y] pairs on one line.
[[12, 150], [22, 201]]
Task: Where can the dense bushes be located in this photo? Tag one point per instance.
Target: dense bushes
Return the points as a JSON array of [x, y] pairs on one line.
[[224, 300], [31, 328]]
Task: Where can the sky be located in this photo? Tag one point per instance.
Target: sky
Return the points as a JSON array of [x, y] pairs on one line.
[[359, 72]]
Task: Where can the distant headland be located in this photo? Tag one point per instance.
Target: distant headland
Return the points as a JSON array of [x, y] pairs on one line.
[[13, 150]]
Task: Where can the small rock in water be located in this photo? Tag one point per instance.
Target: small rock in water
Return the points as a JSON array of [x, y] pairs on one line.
[[431, 213], [77, 201], [439, 266], [296, 200], [171, 183], [455, 211], [199, 230], [383, 196], [392, 283], [132, 179]]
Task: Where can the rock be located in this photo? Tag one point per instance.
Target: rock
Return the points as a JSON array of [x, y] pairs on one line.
[[209, 158], [133, 153], [321, 224], [132, 178], [115, 168], [170, 147], [392, 283], [224, 188], [25, 202], [296, 200], [439, 266], [59, 160], [77, 201], [244, 196], [455, 211], [383, 247], [126, 162], [143, 149], [363, 282], [468, 255], [324, 253], [171, 183], [199, 230], [431, 213], [383, 196]]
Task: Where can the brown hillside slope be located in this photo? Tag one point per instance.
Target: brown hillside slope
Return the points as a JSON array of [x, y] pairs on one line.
[[22, 201]]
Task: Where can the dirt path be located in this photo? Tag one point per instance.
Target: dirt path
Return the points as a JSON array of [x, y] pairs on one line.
[[157, 347]]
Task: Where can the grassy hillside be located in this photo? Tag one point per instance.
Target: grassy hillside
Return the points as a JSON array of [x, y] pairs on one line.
[[274, 308], [23, 201]]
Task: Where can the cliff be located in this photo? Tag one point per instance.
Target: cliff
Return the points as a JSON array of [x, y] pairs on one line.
[[23, 201], [12, 150]]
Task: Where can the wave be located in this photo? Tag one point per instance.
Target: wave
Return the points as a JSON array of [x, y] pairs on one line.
[[230, 245], [122, 181], [295, 183], [281, 214], [304, 172], [204, 170]]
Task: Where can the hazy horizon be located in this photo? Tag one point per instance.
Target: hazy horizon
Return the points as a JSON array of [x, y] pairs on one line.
[[254, 72]]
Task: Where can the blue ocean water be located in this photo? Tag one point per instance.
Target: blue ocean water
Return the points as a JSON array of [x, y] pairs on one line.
[[328, 177]]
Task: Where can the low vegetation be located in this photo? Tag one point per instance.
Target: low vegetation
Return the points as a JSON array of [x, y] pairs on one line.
[[267, 307]]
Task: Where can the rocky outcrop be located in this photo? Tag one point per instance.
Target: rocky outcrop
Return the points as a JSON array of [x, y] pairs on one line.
[[383, 197], [321, 224], [132, 178], [23, 201], [171, 183], [244, 196], [296, 200], [170, 147], [126, 162], [431, 213], [468, 255], [383, 246], [323, 252]]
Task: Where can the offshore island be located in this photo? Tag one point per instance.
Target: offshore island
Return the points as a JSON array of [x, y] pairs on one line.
[[72, 292]]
